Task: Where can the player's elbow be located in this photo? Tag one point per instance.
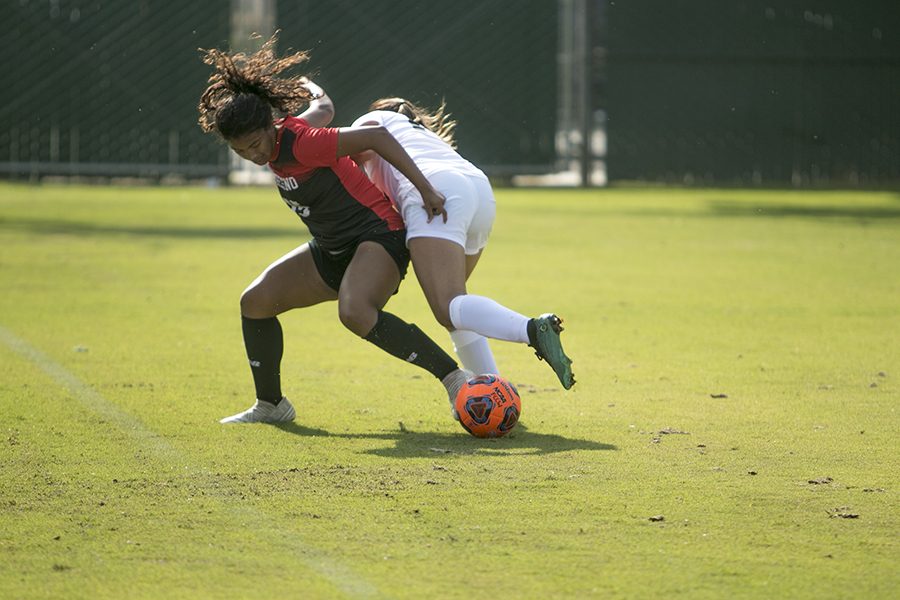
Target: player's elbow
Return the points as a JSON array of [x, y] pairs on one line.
[[377, 140], [379, 135], [362, 158], [326, 107]]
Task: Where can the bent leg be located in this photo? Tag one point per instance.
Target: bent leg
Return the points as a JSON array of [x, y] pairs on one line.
[[369, 282], [440, 267], [442, 270], [292, 281]]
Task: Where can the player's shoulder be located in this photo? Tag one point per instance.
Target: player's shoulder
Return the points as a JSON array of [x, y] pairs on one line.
[[295, 124], [380, 117]]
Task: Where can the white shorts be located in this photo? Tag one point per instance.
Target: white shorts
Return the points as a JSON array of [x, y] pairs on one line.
[[470, 207]]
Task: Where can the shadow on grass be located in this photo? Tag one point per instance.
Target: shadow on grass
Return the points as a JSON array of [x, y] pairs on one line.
[[729, 209], [57, 227], [424, 443], [726, 208]]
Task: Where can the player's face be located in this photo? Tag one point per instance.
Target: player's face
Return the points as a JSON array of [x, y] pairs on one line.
[[256, 146]]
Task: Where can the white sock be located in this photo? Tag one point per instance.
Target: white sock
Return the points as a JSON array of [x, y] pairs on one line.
[[473, 351], [490, 319]]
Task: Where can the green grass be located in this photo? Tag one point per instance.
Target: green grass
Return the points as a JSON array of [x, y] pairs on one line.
[[120, 348]]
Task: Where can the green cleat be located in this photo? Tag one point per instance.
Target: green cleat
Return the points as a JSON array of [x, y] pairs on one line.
[[547, 346]]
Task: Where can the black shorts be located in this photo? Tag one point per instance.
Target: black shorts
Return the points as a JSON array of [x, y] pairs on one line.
[[332, 266]]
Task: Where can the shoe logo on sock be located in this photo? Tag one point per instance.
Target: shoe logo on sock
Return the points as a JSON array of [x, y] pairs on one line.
[[412, 357], [255, 363]]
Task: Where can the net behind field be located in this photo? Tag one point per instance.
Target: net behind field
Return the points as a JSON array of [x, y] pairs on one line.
[[745, 93], [105, 88]]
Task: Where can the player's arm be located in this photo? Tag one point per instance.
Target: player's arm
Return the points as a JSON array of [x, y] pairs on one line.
[[321, 109], [365, 156], [354, 140]]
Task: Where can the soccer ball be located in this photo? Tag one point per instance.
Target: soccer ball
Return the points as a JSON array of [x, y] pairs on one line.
[[488, 406]]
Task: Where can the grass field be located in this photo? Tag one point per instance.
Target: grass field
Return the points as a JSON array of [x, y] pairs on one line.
[[733, 433]]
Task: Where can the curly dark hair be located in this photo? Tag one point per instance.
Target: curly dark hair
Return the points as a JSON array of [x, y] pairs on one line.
[[244, 90], [438, 121]]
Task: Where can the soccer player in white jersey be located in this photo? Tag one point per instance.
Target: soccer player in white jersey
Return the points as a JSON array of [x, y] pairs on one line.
[[445, 245]]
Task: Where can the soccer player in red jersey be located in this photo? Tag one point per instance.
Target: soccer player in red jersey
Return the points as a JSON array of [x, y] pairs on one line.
[[357, 254]]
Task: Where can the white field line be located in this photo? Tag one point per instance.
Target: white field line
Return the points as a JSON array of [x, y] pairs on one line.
[[339, 575]]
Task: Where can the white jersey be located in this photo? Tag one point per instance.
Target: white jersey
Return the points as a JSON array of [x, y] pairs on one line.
[[430, 153]]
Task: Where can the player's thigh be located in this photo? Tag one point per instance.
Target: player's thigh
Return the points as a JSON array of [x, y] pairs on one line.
[[371, 277], [369, 281], [292, 281], [440, 267]]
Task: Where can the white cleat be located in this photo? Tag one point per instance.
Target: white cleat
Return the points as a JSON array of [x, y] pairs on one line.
[[264, 412], [453, 383]]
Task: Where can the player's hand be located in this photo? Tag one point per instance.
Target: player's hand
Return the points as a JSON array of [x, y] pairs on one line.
[[434, 205]]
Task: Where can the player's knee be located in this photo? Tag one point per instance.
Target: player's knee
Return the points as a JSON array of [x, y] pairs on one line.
[[442, 314], [357, 316], [445, 307], [253, 304]]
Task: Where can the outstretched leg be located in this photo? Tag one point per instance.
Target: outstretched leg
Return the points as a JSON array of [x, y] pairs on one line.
[[441, 269]]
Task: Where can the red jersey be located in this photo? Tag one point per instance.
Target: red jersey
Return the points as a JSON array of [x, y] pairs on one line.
[[332, 195]]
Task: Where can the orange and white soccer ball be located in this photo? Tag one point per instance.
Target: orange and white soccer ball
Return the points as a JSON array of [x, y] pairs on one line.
[[488, 406]]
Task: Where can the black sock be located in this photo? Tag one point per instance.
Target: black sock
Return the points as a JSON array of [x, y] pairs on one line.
[[264, 341], [531, 328], [407, 342]]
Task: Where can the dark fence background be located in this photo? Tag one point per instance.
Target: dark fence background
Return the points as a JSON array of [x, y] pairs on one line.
[[493, 61], [754, 91], [110, 87], [736, 92], [107, 87]]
